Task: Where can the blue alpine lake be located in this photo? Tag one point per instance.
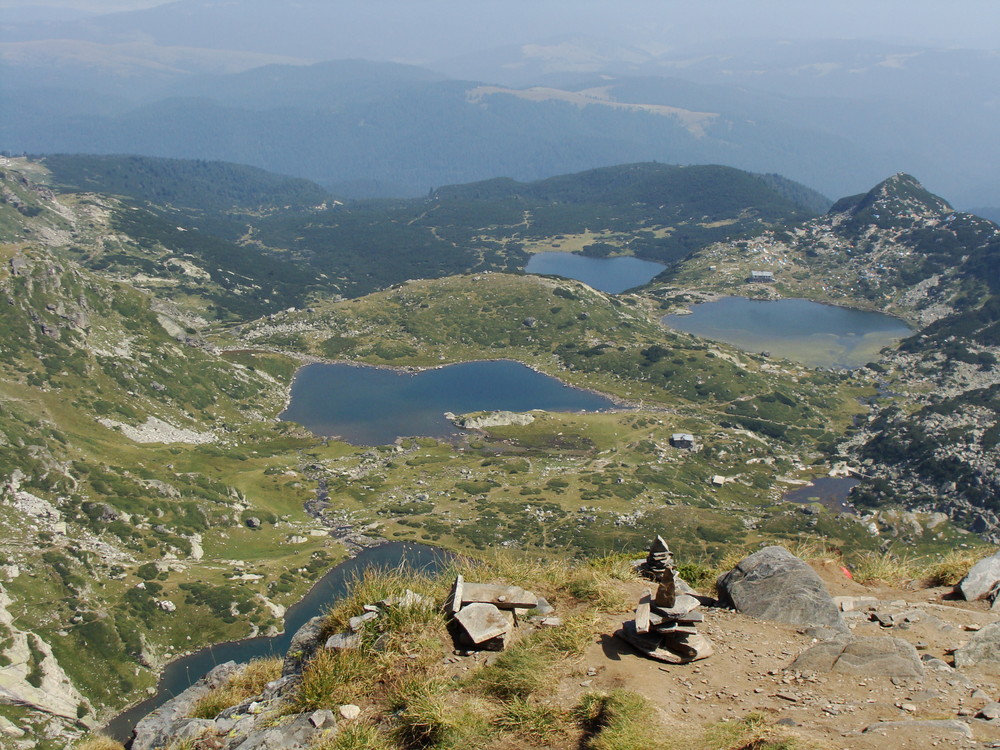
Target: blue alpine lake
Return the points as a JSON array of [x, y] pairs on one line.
[[612, 275], [181, 674], [372, 406], [805, 331]]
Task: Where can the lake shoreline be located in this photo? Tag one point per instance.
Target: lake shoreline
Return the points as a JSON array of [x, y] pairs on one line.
[[815, 334], [383, 410]]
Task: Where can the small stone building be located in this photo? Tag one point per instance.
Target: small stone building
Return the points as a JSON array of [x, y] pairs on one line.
[[683, 440]]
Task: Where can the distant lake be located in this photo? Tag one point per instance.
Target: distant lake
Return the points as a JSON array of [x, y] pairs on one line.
[[831, 492], [809, 332], [372, 406], [612, 275]]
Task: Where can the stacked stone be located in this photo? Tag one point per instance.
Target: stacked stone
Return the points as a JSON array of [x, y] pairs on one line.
[[665, 625], [488, 613]]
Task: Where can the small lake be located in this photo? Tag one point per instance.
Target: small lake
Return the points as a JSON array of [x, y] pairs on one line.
[[612, 275], [830, 492], [372, 406], [181, 674], [809, 332]]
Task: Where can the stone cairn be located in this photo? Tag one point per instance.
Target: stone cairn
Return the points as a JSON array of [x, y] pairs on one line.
[[665, 625], [487, 614]]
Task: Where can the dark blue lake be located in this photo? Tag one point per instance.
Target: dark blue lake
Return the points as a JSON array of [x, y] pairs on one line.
[[809, 332], [371, 406], [181, 674], [612, 275]]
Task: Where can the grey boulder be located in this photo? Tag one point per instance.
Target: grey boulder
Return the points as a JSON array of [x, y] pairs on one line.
[[981, 578], [875, 655], [304, 644], [293, 733], [773, 584], [982, 648]]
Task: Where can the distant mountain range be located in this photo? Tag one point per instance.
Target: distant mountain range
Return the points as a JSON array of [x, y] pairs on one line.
[[237, 81]]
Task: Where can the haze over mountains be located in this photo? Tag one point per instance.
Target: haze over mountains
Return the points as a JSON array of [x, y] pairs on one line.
[[239, 81]]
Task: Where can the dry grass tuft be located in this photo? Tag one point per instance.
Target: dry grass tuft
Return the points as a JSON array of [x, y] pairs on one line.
[[533, 722], [951, 568], [427, 715], [245, 684], [886, 567], [357, 737], [753, 732], [619, 720]]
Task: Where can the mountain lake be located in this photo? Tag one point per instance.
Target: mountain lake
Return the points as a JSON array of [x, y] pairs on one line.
[[373, 406], [809, 332], [612, 275]]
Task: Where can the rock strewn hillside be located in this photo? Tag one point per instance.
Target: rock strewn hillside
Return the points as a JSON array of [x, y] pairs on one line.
[[902, 250], [123, 493]]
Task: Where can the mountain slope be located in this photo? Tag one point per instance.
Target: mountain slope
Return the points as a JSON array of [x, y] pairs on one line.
[[230, 242], [931, 442], [123, 484]]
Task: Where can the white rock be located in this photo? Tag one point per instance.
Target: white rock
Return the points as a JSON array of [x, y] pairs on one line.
[[349, 711]]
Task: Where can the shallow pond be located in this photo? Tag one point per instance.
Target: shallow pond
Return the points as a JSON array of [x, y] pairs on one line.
[[612, 275], [808, 332], [372, 406], [184, 672], [830, 492]]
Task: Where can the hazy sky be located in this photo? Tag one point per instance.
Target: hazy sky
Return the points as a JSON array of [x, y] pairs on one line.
[[945, 22], [91, 6]]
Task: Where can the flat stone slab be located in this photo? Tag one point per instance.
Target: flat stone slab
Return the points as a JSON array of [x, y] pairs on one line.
[[343, 641], [482, 622], [875, 655], [854, 603], [683, 604], [456, 594], [642, 613], [503, 597]]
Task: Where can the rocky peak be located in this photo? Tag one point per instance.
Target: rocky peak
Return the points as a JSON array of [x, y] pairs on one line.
[[899, 197]]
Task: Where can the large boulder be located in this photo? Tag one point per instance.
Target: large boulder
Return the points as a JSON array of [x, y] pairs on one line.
[[982, 648], [874, 655], [981, 578], [773, 584]]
